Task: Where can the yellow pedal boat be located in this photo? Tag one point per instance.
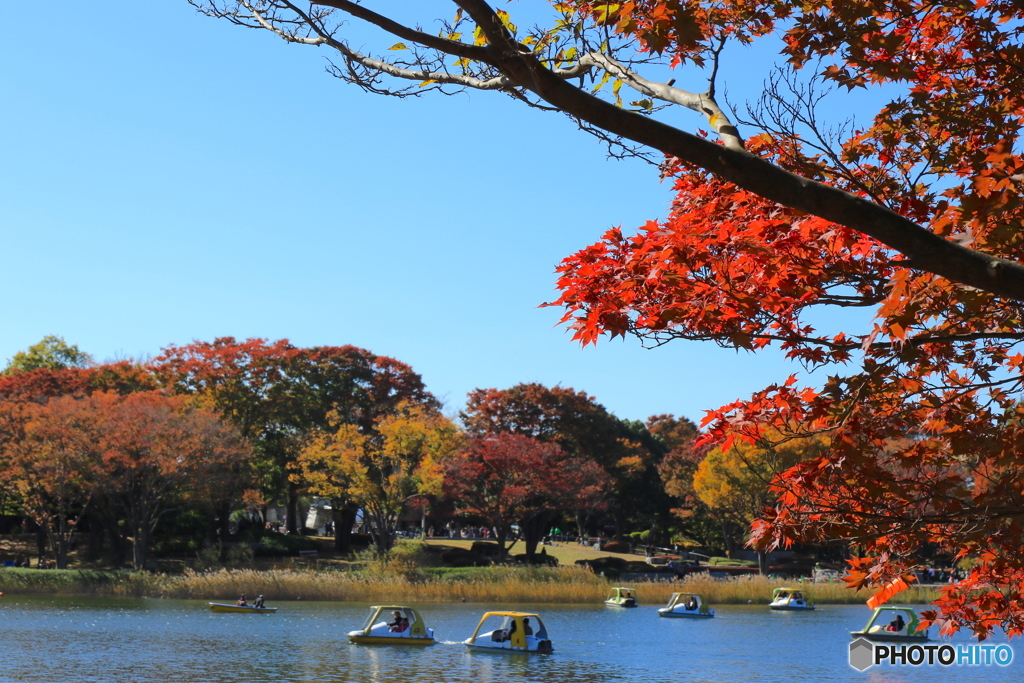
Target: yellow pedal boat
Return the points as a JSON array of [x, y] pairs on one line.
[[222, 607], [405, 628], [510, 632]]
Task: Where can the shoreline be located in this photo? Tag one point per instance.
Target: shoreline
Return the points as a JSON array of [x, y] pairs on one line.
[[567, 585]]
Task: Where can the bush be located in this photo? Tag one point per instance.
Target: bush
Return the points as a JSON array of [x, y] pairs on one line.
[[485, 548], [616, 547], [272, 544]]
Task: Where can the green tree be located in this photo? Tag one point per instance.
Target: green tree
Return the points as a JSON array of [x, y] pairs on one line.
[[52, 352]]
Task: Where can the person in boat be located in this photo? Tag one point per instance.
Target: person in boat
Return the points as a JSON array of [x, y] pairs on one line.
[[396, 625], [506, 635], [241, 601], [527, 629], [259, 603], [897, 624], [691, 604], [405, 625]]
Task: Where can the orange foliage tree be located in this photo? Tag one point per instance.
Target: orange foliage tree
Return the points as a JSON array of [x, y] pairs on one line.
[[914, 216], [278, 395], [49, 456], [158, 452]]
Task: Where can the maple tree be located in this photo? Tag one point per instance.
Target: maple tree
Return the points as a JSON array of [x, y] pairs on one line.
[[507, 478], [158, 452], [914, 217], [278, 394], [382, 471], [626, 454], [49, 458]]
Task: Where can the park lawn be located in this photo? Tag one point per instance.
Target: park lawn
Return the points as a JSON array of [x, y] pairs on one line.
[[567, 553]]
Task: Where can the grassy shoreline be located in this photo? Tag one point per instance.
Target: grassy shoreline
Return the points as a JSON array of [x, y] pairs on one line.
[[566, 585]]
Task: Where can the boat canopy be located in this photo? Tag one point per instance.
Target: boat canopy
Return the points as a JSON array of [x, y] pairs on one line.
[[516, 624], [384, 612]]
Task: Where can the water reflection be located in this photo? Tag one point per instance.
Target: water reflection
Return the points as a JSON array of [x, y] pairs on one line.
[[94, 640]]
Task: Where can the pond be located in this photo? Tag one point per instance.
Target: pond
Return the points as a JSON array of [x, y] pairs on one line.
[[57, 640]]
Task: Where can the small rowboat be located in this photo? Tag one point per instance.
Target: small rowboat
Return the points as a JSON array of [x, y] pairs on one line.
[[222, 607]]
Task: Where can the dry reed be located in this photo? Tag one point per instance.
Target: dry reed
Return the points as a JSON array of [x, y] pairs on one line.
[[565, 585]]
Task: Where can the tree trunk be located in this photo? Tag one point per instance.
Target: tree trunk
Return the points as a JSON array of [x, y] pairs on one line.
[[224, 519], [619, 524], [40, 543], [581, 527], [344, 514], [96, 539], [292, 526], [762, 562], [140, 546], [533, 533]]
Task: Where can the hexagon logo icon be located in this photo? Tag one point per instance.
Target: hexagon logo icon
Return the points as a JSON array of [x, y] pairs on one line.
[[862, 654]]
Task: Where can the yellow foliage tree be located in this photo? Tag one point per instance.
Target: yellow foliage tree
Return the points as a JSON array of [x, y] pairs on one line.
[[381, 471], [734, 483]]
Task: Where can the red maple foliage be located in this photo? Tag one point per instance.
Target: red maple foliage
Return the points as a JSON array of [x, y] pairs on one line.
[[511, 478], [924, 410]]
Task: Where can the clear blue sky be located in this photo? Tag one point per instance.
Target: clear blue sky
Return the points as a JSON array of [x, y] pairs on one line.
[[167, 177]]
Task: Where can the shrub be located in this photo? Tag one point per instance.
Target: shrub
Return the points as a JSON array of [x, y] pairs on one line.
[[616, 547], [272, 544]]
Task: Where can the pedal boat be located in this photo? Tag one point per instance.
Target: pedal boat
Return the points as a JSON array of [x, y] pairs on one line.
[[790, 600], [516, 632], [686, 606], [877, 627], [376, 630], [248, 609], [622, 597]]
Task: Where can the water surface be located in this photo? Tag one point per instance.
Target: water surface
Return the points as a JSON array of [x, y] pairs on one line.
[[58, 640]]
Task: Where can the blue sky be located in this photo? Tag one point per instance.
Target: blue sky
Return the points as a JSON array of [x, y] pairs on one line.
[[168, 177]]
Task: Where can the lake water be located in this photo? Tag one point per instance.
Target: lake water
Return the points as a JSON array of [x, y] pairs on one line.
[[57, 640]]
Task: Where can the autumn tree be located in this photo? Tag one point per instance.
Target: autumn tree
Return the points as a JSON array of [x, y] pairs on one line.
[[278, 395], [28, 391], [383, 470], [736, 483], [49, 456], [677, 469], [160, 452], [913, 216], [584, 429], [507, 478]]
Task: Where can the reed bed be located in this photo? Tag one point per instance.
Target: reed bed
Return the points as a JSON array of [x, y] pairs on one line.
[[565, 585], [757, 590]]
